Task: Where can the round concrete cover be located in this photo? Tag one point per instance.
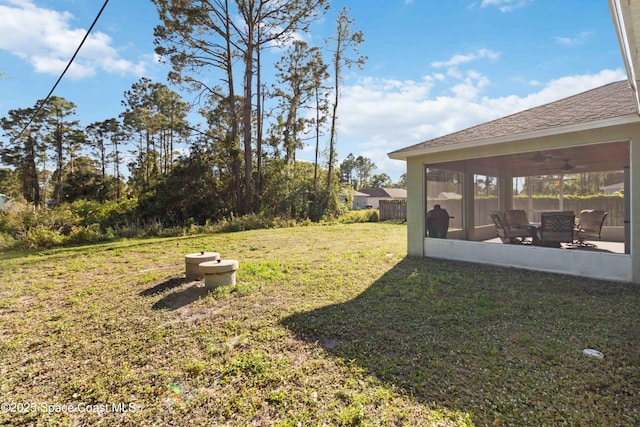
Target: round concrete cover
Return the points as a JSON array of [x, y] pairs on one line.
[[215, 267], [199, 257]]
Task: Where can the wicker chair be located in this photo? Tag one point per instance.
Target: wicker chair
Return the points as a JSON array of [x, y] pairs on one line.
[[556, 228], [589, 226], [517, 217], [509, 234]]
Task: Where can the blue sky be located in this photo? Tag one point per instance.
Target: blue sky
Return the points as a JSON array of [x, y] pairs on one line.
[[433, 66]]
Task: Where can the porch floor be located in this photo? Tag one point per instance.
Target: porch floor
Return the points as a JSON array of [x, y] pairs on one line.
[[601, 245]]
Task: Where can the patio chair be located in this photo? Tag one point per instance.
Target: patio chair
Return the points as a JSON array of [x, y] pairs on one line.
[[506, 233], [589, 226], [517, 217], [556, 228]]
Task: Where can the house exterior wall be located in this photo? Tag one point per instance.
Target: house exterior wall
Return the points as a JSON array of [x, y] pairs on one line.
[[634, 198], [598, 265], [360, 202], [417, 244], [415, 208], [375, 201]]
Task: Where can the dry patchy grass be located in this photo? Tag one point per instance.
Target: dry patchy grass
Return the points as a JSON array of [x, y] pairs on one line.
[[327, 325]]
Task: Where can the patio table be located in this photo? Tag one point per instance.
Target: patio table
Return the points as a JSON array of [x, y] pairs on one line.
[[534, 230]]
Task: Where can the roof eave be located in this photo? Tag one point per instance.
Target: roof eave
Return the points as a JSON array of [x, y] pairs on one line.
[[626, 21], [405, 154]]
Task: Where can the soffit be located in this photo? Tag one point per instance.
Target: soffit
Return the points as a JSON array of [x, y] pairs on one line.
[[626, 20], [587, 158]]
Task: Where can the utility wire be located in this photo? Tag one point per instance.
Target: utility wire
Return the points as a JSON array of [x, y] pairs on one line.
[[63, 72]]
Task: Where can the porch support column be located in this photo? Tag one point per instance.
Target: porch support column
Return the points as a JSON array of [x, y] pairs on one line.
[[505, 190], [416, 210], [634, 201], [626, 217], [468, 204]]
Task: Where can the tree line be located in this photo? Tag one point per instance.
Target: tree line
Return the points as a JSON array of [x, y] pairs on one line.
[[240, 155]]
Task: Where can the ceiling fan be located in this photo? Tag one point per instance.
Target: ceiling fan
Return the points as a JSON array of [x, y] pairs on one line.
[[540, 158], [565, 167]]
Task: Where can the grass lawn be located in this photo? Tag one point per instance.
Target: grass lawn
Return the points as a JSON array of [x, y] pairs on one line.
[[327, 325]]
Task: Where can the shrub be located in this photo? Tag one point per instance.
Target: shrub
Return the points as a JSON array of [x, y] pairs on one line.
[[88, 234], [108, 214], [254, 222], [6, 241], [39, 237], [361, 215], [22, 218], [10, 222], [247, 222]]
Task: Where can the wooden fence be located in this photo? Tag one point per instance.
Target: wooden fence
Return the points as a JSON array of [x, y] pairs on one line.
[[397, 209], [393, 209], [613, 205], [483, 207]]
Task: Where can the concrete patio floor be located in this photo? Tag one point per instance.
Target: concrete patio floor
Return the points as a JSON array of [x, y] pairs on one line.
[[601, 245]]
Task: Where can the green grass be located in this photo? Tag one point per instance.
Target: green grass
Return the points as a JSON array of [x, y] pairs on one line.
[[327, 325]]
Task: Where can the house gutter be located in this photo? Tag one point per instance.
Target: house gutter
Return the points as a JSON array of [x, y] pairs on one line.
[[623, 22]]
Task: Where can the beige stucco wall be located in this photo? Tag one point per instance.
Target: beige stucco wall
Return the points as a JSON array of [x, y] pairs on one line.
[[635, 205], [415, 208]]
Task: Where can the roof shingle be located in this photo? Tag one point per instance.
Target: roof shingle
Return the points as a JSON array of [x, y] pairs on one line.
[[605, 102], [394, 193]]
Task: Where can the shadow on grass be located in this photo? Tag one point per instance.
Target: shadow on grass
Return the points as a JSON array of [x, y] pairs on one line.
[[171, 283], [503, 345], [8, 254], [182, 298]]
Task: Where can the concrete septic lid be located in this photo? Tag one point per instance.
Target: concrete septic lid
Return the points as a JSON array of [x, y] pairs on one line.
[[199, 257], [215, 267]]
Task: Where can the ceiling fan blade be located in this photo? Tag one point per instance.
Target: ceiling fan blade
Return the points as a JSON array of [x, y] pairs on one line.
[[564, 167], [540, 158]]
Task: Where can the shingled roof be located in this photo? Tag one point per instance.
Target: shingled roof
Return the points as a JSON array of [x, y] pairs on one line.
[[394, 193], [606, 102]]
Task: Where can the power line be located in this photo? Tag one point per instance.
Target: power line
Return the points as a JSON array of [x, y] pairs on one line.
[[63, 72]]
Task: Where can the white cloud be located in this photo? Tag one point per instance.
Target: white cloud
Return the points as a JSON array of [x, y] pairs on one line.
[[574, 41], [506, 5], [46, 39], [377, 116], [463, 59]]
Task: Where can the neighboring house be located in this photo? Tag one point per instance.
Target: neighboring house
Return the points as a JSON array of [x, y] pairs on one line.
[[355, 198], [449, 196], [597, 130], [613, 188], [360, 200], [374, 195]]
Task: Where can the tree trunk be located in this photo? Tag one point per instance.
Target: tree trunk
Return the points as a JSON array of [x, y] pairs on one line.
[[246, 123], [332, 137], [235, 163], [33, 174], [315, 162], [259, 119], [60, 161]]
